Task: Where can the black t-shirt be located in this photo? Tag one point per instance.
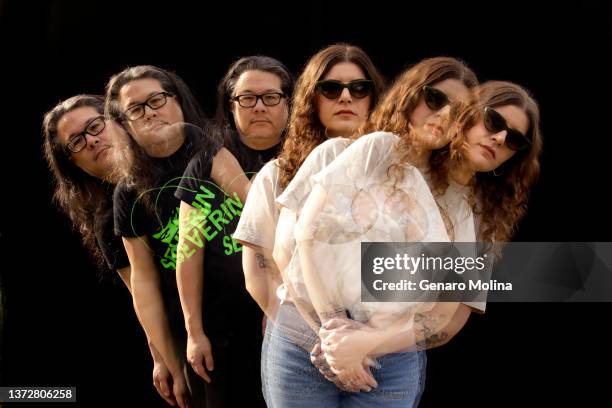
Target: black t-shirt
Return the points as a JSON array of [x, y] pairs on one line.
[[228, 307], [110, 245], [157, 219]]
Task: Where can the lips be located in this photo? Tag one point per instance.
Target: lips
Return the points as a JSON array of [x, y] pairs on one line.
[[436, 129], [101, 151], [156, 124], [260, 121], [489, 150], [345, 112]]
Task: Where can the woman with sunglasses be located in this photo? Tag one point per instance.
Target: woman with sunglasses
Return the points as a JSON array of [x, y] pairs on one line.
[[224, 324], [166, 129], [415, 108], [78, 145], [498, 127], [333, 97]]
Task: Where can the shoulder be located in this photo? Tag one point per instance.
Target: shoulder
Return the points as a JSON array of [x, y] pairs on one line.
[[269, 172], [122, 193], [383, 139]]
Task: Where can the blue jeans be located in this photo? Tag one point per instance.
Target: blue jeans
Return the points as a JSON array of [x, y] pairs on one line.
[[290, 380]]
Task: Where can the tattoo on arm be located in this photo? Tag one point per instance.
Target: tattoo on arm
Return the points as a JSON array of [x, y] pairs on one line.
[[333, 312], [262, 262], [427, 326]]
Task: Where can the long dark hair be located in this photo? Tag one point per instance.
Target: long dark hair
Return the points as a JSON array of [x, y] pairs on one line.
[[82, 197], [137, 169], [224, 120]]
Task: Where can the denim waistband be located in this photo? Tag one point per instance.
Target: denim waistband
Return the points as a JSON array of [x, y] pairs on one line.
[[291, 325]]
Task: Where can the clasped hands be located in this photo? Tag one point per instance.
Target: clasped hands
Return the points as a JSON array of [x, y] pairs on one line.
[[341, 355]]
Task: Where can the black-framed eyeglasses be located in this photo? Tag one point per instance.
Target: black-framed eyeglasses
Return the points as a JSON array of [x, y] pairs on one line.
[[434, 98], [94, 127], [332, 89], [250, 100], [155, 101], [494, 122]]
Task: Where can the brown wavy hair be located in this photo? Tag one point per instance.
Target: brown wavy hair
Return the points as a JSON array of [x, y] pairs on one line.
[[305, 128], [501, 200], [82, 197], [393, 112]]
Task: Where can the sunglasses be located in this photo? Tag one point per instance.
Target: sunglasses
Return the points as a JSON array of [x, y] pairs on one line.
[[358, 89], [434, 98], [494, 122]]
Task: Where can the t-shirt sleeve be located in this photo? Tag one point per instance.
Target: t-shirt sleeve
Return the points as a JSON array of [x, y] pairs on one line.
[[259, 217], [299, 188], [111, 245], [196, 174], [130, 214], [358, 163], [478, 307]]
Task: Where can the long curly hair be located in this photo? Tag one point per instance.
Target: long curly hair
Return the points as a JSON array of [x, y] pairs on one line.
[[134, 167], [305, 128], [82, 197], [501, 201], [393, 112]]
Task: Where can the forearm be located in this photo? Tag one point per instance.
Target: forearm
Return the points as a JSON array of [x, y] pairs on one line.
[[190, 279], [261, 276], [150, 309], [427, 330], [325, 302], [190, 267]]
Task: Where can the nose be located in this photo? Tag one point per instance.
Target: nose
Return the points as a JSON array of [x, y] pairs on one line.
[[92, 141], [443, 112], [500, 137], [149, 112], [259, 106], [345, 96]]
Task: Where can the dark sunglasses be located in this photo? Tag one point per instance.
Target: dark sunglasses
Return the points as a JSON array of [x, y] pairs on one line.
[[358, 89], [434, 98], [494, 122]]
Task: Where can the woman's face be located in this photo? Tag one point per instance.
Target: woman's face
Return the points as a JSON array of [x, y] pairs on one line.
[[430, 125], [260, 126], [343, 115], [154, 128], [486, 150], [78, 129]]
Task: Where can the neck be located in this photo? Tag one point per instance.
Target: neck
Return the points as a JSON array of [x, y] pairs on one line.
[[166, 148], [462, 174], [259, 143], [420, 159]]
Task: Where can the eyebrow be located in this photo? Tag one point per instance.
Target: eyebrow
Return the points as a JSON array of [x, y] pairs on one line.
[[146, 97], [270, 90], [87, 123]]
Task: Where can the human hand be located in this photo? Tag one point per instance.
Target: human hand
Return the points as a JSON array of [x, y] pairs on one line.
[[199, 351]]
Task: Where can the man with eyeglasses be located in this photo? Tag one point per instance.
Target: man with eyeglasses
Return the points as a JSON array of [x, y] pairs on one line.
[[225, 328]]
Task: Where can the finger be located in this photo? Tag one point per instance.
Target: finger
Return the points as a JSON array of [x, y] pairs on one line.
[[170, 400], [184, 400], [334, 324], [367, 378], [199, 369], [372, 363], [163, 389], [210, 362], [164, 386]]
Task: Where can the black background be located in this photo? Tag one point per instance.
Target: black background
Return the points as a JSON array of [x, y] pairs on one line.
[[66, 324]]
